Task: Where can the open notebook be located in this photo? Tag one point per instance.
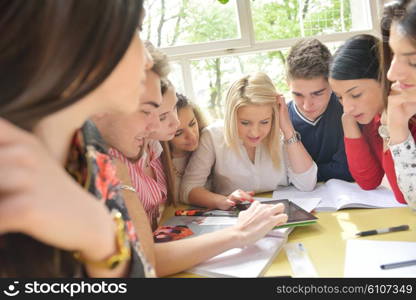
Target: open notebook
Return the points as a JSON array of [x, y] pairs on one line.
[[337, 194]]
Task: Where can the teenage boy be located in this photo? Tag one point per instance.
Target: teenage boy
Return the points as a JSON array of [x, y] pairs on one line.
[[315, 111]]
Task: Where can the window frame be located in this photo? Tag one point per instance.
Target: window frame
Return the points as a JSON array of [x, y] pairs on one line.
[[246, 44]]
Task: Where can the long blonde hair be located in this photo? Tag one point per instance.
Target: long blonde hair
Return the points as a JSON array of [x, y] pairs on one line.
[[257, 89]]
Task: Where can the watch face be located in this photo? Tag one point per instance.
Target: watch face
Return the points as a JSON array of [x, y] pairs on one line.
[[383, 131]]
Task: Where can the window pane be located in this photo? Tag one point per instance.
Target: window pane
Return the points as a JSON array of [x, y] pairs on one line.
[[213, 76], [282, 19], [182, 22], [175, 76]]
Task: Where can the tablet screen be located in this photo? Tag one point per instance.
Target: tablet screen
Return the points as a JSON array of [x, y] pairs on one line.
[[295, 213]]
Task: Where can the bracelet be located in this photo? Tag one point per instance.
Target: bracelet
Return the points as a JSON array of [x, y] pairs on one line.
[[123, 247], [127, 187], [294, 139]]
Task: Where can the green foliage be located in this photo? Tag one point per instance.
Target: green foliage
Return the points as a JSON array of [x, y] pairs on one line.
[[223, 1], [215, 24], [276, 20]]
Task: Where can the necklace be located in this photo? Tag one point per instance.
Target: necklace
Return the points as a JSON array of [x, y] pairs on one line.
[[178, 173]]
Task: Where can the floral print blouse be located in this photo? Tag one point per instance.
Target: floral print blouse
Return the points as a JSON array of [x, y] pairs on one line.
[[91, 166], [404, 156]]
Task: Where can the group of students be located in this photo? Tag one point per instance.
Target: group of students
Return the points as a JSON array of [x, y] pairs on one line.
[[92, 116]]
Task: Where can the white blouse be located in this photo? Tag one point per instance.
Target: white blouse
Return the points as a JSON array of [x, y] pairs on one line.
[[232, 171]]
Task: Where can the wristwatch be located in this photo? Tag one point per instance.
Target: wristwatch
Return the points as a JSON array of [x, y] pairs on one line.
[[123, 247], [383, 131], [294, 139]]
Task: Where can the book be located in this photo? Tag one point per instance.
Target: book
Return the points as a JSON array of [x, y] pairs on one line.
[[337, 194]]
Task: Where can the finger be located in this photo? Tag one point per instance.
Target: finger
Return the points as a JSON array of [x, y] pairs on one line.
[[18, 154], [395, 88], [277, 208], [234, 199], [279, 219], [11, 213], [13, 179], [11, 133], [228, 204], [244, 196], [255, 205]]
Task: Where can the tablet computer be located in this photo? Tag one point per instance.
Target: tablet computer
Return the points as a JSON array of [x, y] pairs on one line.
[[297, 216]]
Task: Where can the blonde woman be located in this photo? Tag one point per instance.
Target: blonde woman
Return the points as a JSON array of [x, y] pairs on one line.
[[255, 150]]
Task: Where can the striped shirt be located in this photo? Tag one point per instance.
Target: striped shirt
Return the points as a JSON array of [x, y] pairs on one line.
[[152, 192]]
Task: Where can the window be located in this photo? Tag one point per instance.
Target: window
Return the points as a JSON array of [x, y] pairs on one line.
[[184, 22], [218, 43]]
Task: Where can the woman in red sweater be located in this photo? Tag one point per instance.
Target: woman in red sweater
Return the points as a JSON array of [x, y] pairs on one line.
[[354, 77]]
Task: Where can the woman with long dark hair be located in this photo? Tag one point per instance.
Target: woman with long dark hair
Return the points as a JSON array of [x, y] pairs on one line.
[[62, 61], [355, 78], [399, 64]]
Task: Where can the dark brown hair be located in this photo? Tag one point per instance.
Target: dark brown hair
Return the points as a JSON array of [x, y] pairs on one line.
[[357, 58], [403, 13], [52, 53], [308, 59]]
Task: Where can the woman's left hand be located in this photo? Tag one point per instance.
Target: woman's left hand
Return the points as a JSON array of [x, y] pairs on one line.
[[284, 120], [401, 106]]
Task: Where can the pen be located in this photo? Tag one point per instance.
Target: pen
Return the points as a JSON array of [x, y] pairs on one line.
[[400, 264], [383, 230]]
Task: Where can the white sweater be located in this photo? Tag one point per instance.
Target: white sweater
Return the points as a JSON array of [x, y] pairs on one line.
[[232, 171]]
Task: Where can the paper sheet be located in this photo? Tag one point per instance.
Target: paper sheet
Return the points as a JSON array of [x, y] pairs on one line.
[[251, 261], [363, 258]]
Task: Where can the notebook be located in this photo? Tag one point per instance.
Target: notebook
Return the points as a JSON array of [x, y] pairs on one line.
[[337, 194]]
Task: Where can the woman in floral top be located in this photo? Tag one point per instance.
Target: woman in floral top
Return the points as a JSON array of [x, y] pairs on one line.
[[57, 72], [399, 52]]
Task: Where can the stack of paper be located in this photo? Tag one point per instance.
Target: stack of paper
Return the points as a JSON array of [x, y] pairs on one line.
[[363, 258], [251, 261]]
